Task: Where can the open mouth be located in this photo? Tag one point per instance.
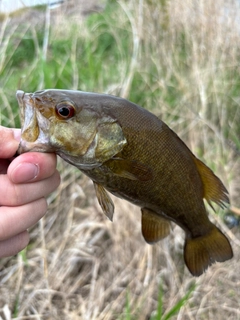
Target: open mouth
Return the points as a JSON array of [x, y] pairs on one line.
[[30, 130], [32, 136]]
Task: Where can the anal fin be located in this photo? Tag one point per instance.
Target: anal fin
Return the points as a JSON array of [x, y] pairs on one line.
[[154, 227], [104, 200]]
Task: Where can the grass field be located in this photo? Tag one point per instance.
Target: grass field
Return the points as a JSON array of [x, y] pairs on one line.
[[178, 59]]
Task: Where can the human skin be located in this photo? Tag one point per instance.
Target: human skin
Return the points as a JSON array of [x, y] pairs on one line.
[[25, 181]]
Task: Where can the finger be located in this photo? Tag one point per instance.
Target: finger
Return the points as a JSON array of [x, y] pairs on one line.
[[12, 246], [9, 141], [15, 220], [19, 194], [32, 166]]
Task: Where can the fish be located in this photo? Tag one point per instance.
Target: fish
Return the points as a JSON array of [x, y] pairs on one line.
[[131, 153]]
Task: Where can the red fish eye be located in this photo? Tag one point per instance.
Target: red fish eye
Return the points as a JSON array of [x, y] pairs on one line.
[[65, 110]]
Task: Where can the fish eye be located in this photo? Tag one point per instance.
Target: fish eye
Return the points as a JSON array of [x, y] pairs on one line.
[[65, 110]]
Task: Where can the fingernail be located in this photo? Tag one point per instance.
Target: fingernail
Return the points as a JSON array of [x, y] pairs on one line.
[[17, 134], [25, 172]]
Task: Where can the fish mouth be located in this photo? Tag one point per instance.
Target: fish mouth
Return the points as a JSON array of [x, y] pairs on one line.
[[32, 136]]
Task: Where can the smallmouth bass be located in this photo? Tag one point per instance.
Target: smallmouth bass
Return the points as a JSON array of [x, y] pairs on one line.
[[131, 153]]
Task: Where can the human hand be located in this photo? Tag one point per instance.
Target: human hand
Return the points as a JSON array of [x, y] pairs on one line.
[[24, 183]]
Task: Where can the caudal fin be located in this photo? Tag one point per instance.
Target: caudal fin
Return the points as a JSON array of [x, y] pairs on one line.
[[201, 252]]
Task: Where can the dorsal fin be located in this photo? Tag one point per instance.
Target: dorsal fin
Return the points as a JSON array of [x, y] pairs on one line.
[[214, 190]]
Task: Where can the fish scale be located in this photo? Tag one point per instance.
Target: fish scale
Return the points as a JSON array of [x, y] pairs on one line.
[[154, 131], [131, 153]]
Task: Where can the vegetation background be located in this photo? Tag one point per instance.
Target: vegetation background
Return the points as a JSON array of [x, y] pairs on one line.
[[180, 60]]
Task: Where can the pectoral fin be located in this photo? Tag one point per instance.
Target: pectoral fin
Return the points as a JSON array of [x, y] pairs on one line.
[[104, 200], [213, 187], [154, 227], [129, 169]]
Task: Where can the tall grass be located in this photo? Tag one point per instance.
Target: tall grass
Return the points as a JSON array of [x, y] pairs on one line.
[[178, 59]]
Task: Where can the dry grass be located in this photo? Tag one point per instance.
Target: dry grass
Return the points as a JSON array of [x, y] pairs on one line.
[[79, 265]]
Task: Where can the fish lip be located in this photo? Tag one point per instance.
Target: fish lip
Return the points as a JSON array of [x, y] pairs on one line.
[[25, 146], [23, 97], [20, 96]]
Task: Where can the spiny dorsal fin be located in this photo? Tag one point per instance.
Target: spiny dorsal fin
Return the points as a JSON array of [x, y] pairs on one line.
[[104, 200], [154, 227], [213, 187]]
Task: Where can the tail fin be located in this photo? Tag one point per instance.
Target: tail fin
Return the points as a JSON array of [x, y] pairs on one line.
[[201, 252]]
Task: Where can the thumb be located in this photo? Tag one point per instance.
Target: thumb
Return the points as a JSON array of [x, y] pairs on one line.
[[9, 141]]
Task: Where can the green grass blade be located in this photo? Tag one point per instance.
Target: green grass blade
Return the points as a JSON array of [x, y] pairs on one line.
[[179, 304], [158, 316], [128, 309]]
